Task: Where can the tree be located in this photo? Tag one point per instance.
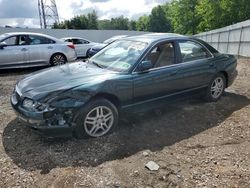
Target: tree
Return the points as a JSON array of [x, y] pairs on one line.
[[215, 14], [234, 11], [180, 16], [119, 23], [104, 24], [184, 17], [79, 22], [92, 20], [143, 23], [132, 25], [210, 13], [158, 21]]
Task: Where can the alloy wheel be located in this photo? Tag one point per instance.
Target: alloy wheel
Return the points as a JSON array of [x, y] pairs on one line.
[[217, 87], [58, 60], [98, 121]]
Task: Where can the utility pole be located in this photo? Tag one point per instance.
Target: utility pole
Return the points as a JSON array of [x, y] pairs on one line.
[[47, 13]]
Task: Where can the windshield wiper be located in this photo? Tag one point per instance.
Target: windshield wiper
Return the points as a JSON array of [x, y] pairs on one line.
[[96, 64]]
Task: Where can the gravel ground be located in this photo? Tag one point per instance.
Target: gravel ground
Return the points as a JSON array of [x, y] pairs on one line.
[[195, 144]]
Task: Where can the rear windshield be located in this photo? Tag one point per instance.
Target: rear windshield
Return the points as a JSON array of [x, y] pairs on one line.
[[209, 47]]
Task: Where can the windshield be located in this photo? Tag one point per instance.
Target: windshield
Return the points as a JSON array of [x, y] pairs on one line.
[[112, 39], [109, 40], [3, 36], [120, 55]]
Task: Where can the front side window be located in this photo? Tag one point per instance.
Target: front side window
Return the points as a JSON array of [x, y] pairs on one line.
[[162, 55], [191, 51], [11, 41], [120, 55], [76, 41]]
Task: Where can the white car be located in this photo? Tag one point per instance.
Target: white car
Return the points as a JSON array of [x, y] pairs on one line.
[[23, 49], [81, 45]]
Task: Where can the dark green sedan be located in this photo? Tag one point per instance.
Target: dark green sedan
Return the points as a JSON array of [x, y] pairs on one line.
[[87, 99]]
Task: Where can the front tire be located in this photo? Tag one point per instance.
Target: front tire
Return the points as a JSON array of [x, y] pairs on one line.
[[216, 88], [98, 118]]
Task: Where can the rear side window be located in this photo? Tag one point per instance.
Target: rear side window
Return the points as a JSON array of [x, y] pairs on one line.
[[80, 41], [34, 40], [68, 40], [191, 51]]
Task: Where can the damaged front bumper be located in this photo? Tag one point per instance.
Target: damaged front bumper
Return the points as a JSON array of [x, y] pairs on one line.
[[52, 122]]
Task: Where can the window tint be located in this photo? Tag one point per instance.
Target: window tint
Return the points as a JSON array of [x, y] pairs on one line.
[[11, 41], [162, 55], [34, 40], [24, 40], [83, 41], [75, 41], [79, 41], [68, 40], [191, 51]]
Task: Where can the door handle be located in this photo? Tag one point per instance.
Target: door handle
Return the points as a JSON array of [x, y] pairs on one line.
[[24, 49], [50, 47]]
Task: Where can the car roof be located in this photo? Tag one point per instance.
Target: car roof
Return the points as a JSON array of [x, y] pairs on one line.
[[30, 33], [153, 37], [65, 38], [118, 36]]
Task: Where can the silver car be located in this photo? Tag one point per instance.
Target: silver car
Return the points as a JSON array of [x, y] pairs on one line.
[[24, 49], [81, 45]]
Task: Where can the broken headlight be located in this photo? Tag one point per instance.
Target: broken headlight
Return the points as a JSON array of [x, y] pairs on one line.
[[32, 105], [28, 104]]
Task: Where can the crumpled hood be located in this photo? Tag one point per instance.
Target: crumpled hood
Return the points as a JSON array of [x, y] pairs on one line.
[[61, 78]]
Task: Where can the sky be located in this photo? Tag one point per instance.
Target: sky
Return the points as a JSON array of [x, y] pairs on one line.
[[24, 13]]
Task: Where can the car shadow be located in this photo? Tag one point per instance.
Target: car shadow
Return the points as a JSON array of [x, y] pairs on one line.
[[20, 71], [152, 130]]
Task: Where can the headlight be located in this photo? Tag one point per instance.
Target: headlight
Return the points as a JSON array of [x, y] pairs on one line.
[[28, 103], [36, 106]]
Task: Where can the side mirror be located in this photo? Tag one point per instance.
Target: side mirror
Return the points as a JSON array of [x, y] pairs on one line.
[[145, 65], [3, 45]]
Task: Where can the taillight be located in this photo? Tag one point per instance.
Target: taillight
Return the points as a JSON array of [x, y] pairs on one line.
[[71, 46]]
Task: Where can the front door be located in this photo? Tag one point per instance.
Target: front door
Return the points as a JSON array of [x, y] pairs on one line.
[[14, 53], [162, 79], [81, 46], [40, 49]]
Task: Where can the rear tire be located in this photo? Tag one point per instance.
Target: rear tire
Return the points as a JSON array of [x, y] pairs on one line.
[[216, 88], [97, 118], [58, 59]]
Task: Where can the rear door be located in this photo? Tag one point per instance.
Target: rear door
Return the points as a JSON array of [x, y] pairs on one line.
[[81, 46], [15, 53], [40, 49], [196, 65]]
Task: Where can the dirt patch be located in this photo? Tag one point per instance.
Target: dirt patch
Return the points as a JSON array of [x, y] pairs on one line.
[[196, 144]]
